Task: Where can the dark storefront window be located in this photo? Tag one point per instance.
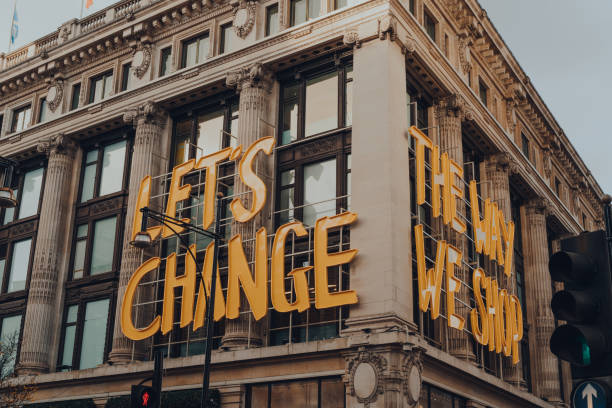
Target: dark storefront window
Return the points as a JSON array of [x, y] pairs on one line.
[[434, 397], [320, 393]]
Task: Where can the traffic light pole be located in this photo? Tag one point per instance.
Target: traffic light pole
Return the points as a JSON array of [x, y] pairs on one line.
[[608, 219], [158, 368]]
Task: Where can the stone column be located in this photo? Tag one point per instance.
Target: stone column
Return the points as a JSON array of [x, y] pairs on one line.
[[149, 122], [53, 226], [450, 112], [254, 84], [539, 292], [496, 174], [381, 273]]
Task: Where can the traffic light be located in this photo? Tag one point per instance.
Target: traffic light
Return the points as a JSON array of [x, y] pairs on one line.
[[583, 265], [144, 396]]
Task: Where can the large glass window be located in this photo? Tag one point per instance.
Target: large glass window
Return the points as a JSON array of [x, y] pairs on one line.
[[316, 393], [100, 87], [103, 170], [27, 189], [22, 118], [10, 328], [85, 333], [195, 51], [94, 247], [316, 104], [204, 131], [304, 10], [19, 265]]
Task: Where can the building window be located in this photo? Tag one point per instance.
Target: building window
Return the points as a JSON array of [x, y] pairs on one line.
[[204, 131], [22, 118], [127, 74], [94, 247], [42, 110], [430, 26], [316, 104], [103, 170], [525, 146], [15, 265], [165, 61], [100, 87], [411, 6], [446, 45], [27, 189], [343, 3], [1, 123], [195, 51], [482, 92], [316, 393], [434, 397], [76, 94], [10, 329], [304, 10], [228, 39], [271, 20], [84, 335], [558, 187]]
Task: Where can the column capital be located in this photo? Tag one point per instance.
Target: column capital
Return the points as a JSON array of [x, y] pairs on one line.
[[147, 112], [58, 144], [538, 206], [452, 105], [250, 76]]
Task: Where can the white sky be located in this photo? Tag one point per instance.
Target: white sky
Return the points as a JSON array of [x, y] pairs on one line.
[[562, 45]]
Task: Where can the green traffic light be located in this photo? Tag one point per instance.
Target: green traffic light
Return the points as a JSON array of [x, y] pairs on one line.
[[586, 353]]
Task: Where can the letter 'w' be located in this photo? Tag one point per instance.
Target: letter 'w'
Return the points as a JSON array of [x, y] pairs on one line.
[[430, 281]]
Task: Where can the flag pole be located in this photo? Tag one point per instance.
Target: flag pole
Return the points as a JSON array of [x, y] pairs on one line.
[[12, 24]]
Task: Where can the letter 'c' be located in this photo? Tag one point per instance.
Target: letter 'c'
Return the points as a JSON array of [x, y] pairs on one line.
[[127, 325]]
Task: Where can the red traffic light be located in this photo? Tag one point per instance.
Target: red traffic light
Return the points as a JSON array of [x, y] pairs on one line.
[[143, 396]]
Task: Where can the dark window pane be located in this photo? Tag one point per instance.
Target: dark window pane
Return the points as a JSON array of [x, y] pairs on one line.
[[440, 399], [30, 196], [190, 50], [20, 262], [42, 111], [332, 393], [430, 26], [126, 77], [321, 104], [525, 145], [319, 191], [272, 20], [166, 61], [89, 178], [11, 326], [113, 160], [94, 334], [76, 92], [482, 90], [103, 246], [303, 394]]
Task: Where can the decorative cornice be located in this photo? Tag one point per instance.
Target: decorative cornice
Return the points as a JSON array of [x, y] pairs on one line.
[[58, 144], [251, 76]]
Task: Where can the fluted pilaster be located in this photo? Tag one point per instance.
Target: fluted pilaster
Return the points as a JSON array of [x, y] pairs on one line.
[[52, 228], [450, 112], [254, 84], [539, 294], [149, 123]]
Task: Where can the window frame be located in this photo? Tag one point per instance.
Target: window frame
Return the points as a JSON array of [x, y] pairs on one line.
[[222, 45], [270, 384], [292, 22], [9, 311], [267, 15], [81, 303], [433, 26], [43, 110], [525, 146], [75, 96], [483, 92], [162, 52], [126, 73], [103, 76], [195, 38], [301, 77], [18, 185], [15, 118]]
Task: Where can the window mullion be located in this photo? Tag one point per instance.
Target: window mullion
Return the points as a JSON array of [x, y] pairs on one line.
[[99, 162], [301, 109], [78, 336]]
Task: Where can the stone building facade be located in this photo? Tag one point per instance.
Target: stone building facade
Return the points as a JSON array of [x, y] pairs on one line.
[[145, 85]]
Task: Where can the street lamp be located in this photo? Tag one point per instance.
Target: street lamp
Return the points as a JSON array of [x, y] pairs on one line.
[[143, 240], [7, 197]]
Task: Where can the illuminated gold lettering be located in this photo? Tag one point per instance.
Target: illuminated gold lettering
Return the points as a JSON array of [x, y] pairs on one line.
[[177, 193], [187, 283], [324, 260], [421, 141], [127, 325], [204, 291], [144, 195], [453, 258], [429, 281], [481, 335], [210, 163]]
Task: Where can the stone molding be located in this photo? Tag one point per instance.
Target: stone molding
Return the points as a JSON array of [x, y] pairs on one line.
[[143, 53], [352, 38], [412, 370], [56, 91], [453, 105], [387, 28], [147, 112], [243, 18], [250, 76]]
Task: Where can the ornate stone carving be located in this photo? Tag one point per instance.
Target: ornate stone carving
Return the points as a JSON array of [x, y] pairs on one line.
[[141, 60], [255, 75], [387, 26], [410, 45], [412, 370], [244, 18], [55, 93], [148, 111], [364, 373], [465, 58], [538, 205], [352, 38], [58, 144], [453, 105]]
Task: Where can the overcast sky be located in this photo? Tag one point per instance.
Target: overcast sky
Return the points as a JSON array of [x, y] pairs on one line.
[[562, 45]]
